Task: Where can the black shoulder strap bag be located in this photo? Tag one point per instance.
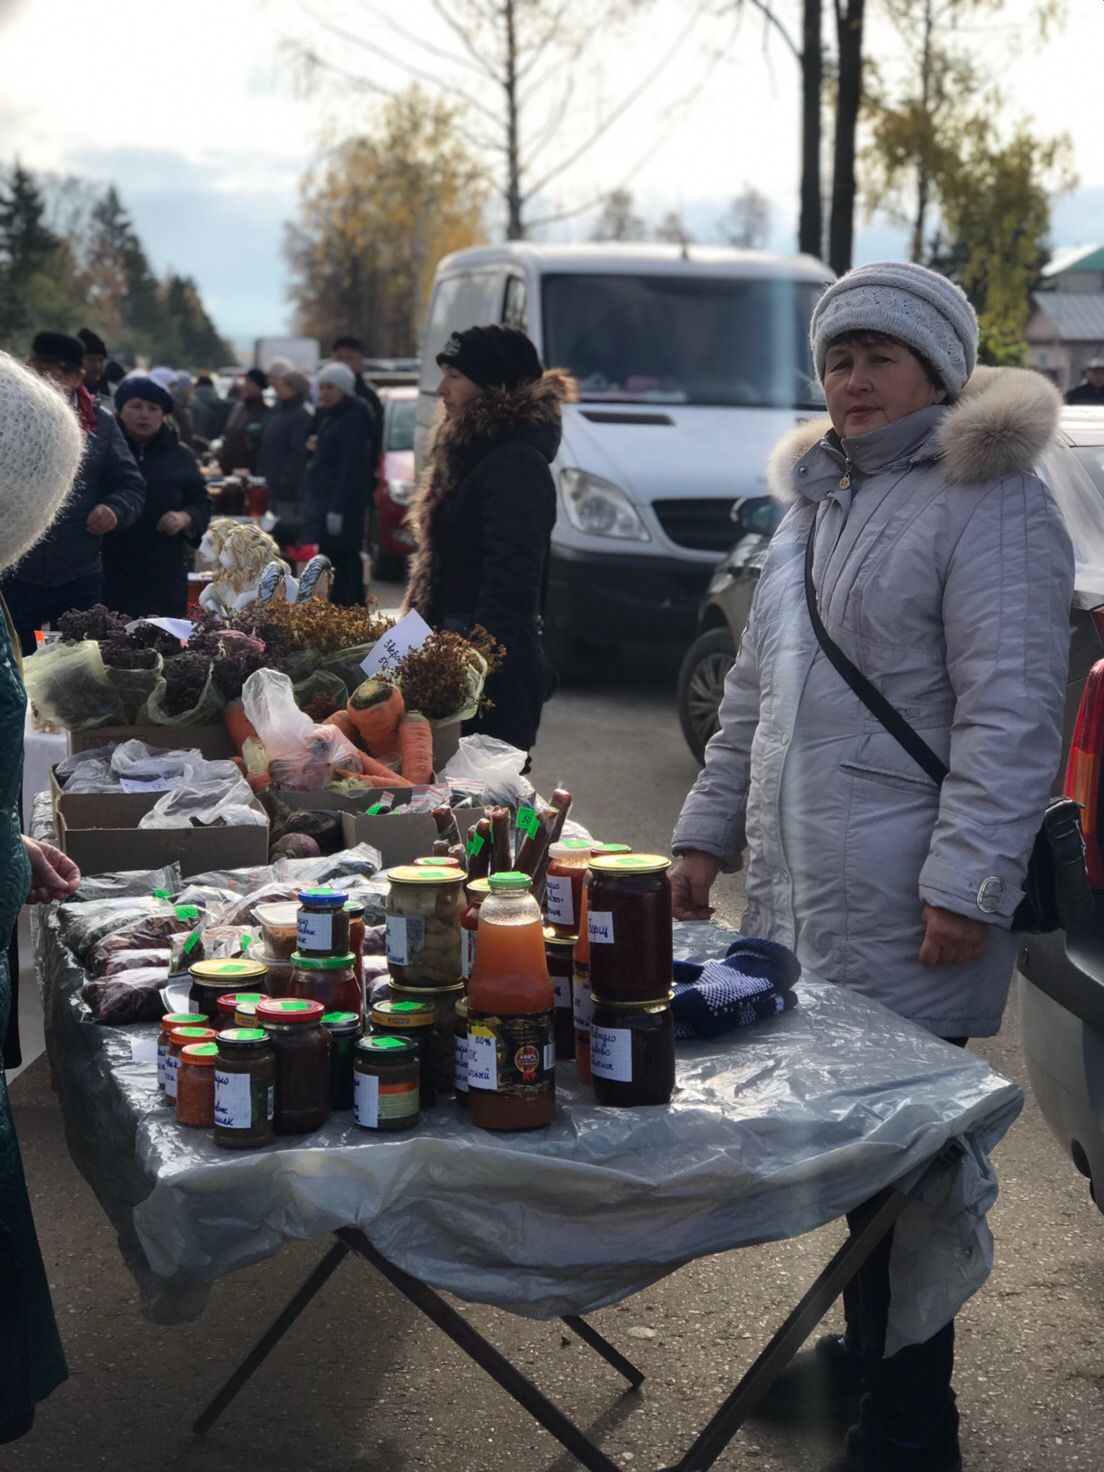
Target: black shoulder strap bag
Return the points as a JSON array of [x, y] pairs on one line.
[[1056, 890]]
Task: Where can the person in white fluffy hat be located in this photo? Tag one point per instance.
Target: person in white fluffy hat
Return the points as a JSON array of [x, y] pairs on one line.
[[40, 449], [942, 569]]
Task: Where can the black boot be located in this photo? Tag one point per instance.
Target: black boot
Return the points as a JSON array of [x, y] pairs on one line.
[[821, 1386], [870, 1449]]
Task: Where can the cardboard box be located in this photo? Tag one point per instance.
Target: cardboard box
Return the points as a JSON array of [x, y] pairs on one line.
[[400, 837], [446, 743], [211, 741], [101, 835]]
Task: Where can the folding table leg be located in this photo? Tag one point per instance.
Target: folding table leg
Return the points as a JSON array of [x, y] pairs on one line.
[[602, 1346], [789, 1338], [484, 1354], [272, 1336]]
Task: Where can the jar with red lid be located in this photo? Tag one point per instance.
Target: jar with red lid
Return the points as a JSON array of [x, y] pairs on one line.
[[560, 950], [229, 1003], [563, 894], [168, 1022], [477, 891], [301, 1045], [179, 1039], [195, 1086], [330, 980], [629, 927]]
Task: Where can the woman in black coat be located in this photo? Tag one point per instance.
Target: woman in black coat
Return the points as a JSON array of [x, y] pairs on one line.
[[485, 512], [337, 481], [145, 566]]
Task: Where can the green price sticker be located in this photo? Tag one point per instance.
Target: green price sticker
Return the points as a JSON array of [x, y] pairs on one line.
[[475, 845], [528, 822], [191, 943], [375, 810], [247, 941], [187, 912], [161, 894]]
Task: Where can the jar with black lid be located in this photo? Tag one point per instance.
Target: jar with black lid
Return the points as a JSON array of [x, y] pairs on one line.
[[323, 925], [632, 1052], [245, 1089], [344, 1029], [302, 1047], [386, 1084]]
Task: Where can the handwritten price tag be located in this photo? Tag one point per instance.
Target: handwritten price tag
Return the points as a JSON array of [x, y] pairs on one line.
[[528, 822], [409, 633]]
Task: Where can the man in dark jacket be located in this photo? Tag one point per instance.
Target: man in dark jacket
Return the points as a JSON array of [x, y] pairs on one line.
[[145, 567], [283, 456], [337, 481], [95, 366], [65, 570], [241, 437], [1091, 390]]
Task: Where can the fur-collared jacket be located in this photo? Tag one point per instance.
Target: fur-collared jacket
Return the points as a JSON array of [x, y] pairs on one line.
[[944, 570]]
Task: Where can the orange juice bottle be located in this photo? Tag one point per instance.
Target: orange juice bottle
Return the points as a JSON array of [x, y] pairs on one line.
[[511, 1041]]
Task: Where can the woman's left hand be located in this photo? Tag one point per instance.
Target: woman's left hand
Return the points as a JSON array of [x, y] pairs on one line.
[[174, 522], [951, 939], [53, 876]]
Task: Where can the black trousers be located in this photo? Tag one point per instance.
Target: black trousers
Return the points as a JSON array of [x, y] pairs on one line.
[[348, 588], [908, 1394], [31, 606]]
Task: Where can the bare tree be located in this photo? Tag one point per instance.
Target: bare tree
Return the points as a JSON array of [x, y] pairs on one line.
[[672, 230], [746, 223], [849, 48], [618, 219]]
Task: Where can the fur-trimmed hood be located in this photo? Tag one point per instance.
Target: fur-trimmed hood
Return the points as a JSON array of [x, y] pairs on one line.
[[999, 426]]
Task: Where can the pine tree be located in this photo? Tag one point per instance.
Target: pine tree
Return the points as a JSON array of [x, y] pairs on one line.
[[27, 247]]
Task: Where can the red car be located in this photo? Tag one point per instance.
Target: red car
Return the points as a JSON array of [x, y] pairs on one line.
[[389, 541]]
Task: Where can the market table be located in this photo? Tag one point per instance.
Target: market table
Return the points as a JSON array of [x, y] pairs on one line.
[[774, 1131]]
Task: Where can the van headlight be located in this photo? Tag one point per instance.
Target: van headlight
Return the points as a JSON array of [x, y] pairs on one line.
[[599, 508]]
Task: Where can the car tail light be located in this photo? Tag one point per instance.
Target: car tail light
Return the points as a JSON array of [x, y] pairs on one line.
[[1083, 769]]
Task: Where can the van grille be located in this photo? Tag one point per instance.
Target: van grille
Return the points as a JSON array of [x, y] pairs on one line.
[[701, 526]]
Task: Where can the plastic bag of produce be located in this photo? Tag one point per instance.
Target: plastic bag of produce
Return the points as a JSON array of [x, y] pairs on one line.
[[205, 805], [185, 695], [68, 686], [212, 943], [129, 883], [211, 897], [135, 685], [133, 996], [67, 769], [237, 881], [493, 766], [140, 762], [274, 892], [85, 924], [114, 963], [361, 862], [93, 777], [323, 682], [301, 755]]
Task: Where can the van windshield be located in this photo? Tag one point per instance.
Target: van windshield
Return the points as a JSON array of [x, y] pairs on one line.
[[684, 339]]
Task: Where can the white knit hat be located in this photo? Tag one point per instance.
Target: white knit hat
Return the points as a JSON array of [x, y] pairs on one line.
[[40, 450], [340, 375], [918, 307]]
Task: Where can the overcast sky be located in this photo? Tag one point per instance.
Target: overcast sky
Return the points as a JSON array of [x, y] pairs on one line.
[[193, 111]]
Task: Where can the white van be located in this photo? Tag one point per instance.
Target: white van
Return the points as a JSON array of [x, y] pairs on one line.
[[692, 363]]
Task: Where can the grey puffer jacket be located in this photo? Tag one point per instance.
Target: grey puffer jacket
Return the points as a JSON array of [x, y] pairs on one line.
[[945, 572]]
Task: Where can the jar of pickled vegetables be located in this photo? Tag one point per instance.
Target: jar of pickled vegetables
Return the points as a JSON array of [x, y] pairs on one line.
[[563, 894], [629, 927], [424, 907]]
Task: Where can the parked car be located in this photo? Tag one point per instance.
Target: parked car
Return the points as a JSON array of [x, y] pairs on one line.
[[389, 541], [691, 362]]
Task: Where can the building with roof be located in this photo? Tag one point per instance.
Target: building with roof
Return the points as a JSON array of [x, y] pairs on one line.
[[1066, 325]]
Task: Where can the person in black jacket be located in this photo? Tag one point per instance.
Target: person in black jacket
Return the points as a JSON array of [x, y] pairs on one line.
[[1091, 389], [337, 481], [283, 456], [145, 568], [65, 570], [485, 512]]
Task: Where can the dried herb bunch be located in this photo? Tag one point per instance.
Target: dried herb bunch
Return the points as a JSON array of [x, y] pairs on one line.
[[233, 665], [436, 678], [120, 653], [318, 625], [185, 681], [92, 623]]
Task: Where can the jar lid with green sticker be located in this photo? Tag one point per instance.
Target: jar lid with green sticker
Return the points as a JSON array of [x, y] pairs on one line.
[[629, 864]]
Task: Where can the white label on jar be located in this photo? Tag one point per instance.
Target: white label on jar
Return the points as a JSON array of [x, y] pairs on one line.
[[460, 1068], [162, 1063], [233, 1105], [482, 1059], [600, 927], [467, 952], [583, 1004], [559, 901], [315, 932], [172, 1068], [143, 1050], [366, 1100], [396, 939], [193, 1005], [611, 1053], [561, 985], [271, 1105], [550, 1055]]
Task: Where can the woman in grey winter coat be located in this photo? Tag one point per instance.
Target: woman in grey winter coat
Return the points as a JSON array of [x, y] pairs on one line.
[[944, 571]]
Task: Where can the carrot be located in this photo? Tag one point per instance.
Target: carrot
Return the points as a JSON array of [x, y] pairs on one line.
[[344, 724], [416, 748], [382, 774], [375, 709], [238, 725]]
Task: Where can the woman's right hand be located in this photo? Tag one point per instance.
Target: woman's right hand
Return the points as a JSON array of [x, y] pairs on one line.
[[691, 880]]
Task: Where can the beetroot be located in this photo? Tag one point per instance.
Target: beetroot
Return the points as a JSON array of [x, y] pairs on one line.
[[295, 846]]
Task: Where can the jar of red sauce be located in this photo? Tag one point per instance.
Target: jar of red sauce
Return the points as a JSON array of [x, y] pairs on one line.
[[563, 895], [179, 1039], [330, 980], [477, 891], [560, 951], [168, 1022], [629, 927], [195, 1086]]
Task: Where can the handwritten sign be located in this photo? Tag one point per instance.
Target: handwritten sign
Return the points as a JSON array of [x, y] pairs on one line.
[[179, 628], [409, 633]]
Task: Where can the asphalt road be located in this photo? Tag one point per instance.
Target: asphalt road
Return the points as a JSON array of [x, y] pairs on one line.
[[361, 1383]]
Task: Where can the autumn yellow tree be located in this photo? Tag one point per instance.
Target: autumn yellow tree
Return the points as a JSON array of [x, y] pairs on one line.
[[377, 212]]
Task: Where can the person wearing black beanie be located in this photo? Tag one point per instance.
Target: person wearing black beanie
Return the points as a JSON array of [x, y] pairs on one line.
[[241, 438], [483, 517], [95, 365]]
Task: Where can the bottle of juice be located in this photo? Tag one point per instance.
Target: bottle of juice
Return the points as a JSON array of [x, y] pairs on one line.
[[511, 1039]]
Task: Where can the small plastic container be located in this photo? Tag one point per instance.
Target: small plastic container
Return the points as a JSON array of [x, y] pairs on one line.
[[322, 926], [279, 920], [195, 1086]]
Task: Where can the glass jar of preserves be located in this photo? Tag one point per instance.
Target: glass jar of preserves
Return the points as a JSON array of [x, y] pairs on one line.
[[386, 1089], [563, 895], [424, 906], [229, 1003], [560, 951], [330, 980], [511, 1052], [445, 999], [245, 1013], [607, 850], [301, 1046], [322, 927], [416, 1022], [632, 1052], [179, 1039], [168, 1022], [245, 1089], [460, 1053], [438, 861], [355, 911], [195, 1086], [212, 979], [477, 891], [344, 1029], [580, 996], [629, 927]]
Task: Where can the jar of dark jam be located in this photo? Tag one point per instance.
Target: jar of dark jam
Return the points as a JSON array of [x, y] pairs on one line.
[[560, 950], [632, 1052], [344, 1029], [386, 1084], [213, 979], [323, 925], [330, 980], [245, 1089], [416, 1022], [302, 1047], [629, 927], [460, 1053]]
